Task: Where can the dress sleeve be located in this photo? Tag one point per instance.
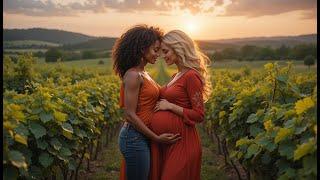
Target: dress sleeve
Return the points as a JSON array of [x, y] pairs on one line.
[[194, 88]]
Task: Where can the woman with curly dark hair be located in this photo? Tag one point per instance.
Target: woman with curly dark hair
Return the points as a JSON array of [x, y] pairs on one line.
[[138, 96]]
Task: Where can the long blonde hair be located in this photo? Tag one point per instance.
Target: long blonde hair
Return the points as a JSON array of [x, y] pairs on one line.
[[190, 56]]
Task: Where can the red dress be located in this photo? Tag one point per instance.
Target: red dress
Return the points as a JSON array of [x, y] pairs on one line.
[[182, 160]]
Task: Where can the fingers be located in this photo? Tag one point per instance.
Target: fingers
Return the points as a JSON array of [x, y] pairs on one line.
[[175, 136], [172, 138], [175, 140], [156, 108]]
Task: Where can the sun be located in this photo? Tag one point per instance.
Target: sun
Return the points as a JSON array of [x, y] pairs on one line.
[[191, 27]]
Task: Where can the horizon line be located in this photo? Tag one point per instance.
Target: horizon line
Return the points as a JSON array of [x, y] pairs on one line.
[[232, 38]]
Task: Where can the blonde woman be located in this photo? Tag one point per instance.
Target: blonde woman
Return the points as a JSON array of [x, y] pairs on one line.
[[180, 107]]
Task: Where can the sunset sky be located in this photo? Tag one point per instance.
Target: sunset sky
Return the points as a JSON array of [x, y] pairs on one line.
[[201, 19]]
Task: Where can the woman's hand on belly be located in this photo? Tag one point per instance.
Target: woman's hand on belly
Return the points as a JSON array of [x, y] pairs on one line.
[[163, 105]]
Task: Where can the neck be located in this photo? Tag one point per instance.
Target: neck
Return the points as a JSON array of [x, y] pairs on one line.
[[141, 66]]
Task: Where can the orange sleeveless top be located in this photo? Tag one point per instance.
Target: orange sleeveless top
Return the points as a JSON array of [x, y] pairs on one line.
[[148, 97]]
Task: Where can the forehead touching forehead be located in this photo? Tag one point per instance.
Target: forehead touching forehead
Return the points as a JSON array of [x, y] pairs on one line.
[[156, 44], [164, 46]]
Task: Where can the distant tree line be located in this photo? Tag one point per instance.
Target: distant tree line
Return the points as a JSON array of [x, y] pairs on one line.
[[252, 53], [28, 46], [53, 54]]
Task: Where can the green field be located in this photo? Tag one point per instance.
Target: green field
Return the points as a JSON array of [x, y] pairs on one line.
[[23, 50], [8, 44], [221, 65]]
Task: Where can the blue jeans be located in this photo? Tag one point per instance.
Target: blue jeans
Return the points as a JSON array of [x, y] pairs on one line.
[[135, 147]]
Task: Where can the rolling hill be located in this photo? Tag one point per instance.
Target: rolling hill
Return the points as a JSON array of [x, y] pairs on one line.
[[76, 41], [47, 35]]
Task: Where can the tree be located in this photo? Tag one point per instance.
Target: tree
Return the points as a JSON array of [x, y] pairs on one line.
[[266, 53], [230, 53], [53, 54], [216, 56], [249, 52], [88, 55], [309, 61], [101, 62], [282, 53]]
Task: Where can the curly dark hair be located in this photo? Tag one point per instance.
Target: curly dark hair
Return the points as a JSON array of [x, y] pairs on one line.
[[130, 47]]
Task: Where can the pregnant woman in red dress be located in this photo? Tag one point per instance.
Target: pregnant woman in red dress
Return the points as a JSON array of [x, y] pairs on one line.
[[181, 106]]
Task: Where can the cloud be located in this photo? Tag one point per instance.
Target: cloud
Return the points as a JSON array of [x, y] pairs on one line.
[[54, 8], [257, 8], [248, 8], [50, 7]]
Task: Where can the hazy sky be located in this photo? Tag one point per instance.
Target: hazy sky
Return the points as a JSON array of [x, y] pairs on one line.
[[201, 19]]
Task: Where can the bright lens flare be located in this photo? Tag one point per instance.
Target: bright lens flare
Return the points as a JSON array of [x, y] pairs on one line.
[[191, 27]]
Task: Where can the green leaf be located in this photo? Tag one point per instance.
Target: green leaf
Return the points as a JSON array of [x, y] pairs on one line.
[[290, 173], [59, 116], [45, 159], [282, 165], [65, 152], [255, 130], [22, 130], [252, 118], [80, 133], [17, 159], [304, 149], [290, 123], [300, 130], [45, 117], [271, 146], [10, 172], [282, 78], [252, 150], [21, 139], [27, 153], [309, 165], [67, 127], [55, 143], [295, 89], [282, 134], [37, 130], [36, 111], [242, 141], [286, 149], [265, 159], [67, 134], [42, 144]]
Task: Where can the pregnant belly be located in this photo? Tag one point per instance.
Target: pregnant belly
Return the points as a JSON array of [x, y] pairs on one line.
[[166, 122]]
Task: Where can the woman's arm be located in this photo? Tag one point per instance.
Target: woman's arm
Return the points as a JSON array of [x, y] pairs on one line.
[[193, 115], [132, 82]]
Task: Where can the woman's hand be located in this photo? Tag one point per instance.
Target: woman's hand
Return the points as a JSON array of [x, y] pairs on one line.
[[168, 138], [163, 105]]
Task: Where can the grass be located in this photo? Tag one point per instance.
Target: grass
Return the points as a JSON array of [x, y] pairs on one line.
[[28, 42], [161, 73], [108, 164], [211, 167], [85, 64], [23, 50]]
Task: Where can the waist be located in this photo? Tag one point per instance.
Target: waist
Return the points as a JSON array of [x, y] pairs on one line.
[[129, 128]]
